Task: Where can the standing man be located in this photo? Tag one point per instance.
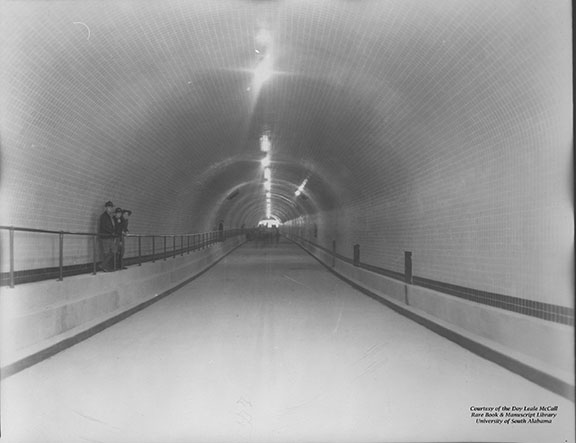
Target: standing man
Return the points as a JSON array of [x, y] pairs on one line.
[[106, 231], [118, 238], [126, 213], [122, 232]]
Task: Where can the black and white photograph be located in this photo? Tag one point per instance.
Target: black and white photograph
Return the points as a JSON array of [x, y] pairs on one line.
[[286, 221]]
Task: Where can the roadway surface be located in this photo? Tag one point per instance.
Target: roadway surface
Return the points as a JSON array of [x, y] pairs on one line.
[[268, 346]]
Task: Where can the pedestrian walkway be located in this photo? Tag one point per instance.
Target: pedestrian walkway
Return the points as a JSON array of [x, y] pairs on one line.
[[268, 346]]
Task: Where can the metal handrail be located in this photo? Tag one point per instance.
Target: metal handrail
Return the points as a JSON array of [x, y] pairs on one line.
[[45, 231], [200, 240]]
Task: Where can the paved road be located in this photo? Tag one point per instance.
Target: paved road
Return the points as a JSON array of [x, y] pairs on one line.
[[268, 346]]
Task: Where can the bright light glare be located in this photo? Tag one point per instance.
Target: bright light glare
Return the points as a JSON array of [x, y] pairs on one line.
[[298, 192], [268, 195], [264, 69], [266, 161], [267, 173], [272, 221], [264, 38], [262, 72], [267, 185]]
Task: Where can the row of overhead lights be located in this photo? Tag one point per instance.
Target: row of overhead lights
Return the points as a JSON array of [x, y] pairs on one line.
[[262, 72], [265, 147]]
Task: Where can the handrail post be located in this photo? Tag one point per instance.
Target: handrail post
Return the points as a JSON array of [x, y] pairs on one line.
[[116, 248], [153, 249], [408, 267], [173, 246], [139, 250], [11, 256], [165, 250], [61, 258], [333, 253], [188, 240], [94, 255], [181, 245], [356, 255]]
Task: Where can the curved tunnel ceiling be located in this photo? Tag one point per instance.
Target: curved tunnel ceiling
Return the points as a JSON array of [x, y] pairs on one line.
[[161, 98]]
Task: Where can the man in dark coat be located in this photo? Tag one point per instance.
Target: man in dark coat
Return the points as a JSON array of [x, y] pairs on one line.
[[119, 239], [106, 235], [122, 216], [126, 213]]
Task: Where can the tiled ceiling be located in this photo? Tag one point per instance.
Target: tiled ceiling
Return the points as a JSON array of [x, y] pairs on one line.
[[163, 94]]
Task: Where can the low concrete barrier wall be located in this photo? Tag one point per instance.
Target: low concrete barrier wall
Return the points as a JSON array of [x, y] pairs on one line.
[[537, 349], [44, 317]]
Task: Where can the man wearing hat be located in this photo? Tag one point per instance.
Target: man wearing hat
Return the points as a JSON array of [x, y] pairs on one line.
[[118, 235], [106, 234], [126, 213], [121, 230]]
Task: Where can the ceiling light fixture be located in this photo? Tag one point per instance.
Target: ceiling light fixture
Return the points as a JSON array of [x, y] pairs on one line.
[[301, 188], [265, 143], [266, 161]]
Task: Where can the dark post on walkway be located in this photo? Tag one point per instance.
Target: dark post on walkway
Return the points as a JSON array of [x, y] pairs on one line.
[[94, 255], [11, 256], [408, 267], [333, 253], [139, 251], [61, 258], [356, 255]]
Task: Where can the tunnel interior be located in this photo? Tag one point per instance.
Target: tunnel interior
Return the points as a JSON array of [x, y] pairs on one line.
[[442, 128], [417, 157]]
